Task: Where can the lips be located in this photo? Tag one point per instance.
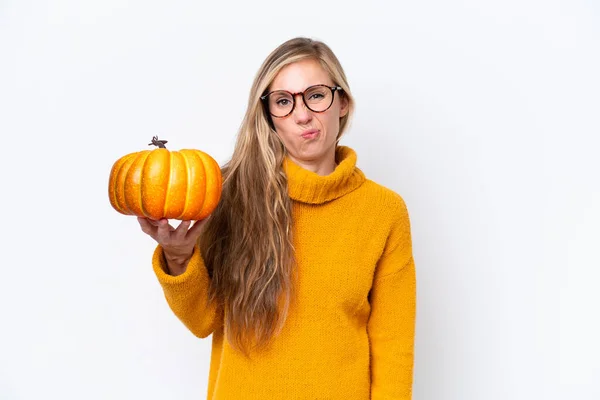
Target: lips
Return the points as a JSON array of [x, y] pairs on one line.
[[310, 134]]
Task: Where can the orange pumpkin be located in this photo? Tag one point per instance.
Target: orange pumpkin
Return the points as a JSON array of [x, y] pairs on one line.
[[182, 185]]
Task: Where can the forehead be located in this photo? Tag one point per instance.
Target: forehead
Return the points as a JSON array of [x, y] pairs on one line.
[[298, 76]]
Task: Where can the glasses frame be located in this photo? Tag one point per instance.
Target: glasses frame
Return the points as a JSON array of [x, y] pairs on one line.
[[332, 88]]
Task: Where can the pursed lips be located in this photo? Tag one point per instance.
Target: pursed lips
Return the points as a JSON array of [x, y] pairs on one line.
[[309, 134]]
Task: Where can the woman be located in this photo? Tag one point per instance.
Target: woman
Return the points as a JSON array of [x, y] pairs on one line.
[[304, 273]]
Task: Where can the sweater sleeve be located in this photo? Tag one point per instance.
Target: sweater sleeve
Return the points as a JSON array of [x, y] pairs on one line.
[[187, 294], [391, 324]]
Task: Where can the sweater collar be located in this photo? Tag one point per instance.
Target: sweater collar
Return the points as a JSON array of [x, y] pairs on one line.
[[308, 187]]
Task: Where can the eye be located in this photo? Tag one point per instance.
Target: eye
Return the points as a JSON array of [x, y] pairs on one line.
[[316, 96], [282, 102]]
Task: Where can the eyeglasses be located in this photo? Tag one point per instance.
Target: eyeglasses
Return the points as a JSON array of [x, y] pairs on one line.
[[317, 98]]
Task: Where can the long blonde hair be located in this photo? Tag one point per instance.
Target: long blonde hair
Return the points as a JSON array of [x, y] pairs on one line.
[[247, 242]]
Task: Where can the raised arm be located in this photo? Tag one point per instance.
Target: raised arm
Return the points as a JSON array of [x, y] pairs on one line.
[[187, 293], [181, 272]]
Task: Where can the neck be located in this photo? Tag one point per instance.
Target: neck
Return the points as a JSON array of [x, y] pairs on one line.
[[319, 168], [323, 166]]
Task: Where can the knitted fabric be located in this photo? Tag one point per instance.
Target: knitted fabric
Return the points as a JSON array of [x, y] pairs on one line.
[[349, 334]]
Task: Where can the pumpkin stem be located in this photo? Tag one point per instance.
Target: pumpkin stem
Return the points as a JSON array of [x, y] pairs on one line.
[[159, 143]]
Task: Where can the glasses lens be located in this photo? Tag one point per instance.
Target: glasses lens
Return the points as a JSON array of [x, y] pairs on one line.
[[280, 103], [318, 98]]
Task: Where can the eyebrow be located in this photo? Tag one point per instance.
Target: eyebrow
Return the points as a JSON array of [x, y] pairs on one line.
[[314, 84]]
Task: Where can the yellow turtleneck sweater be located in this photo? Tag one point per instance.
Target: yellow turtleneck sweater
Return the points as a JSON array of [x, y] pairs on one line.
[[349, 334]]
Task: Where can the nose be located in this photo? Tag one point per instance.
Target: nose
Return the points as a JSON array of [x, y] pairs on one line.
[[301, 113]]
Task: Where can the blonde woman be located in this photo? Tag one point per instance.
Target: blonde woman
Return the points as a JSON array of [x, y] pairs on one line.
[[304, 273]]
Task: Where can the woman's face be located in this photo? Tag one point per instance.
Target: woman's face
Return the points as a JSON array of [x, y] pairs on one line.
[[294, 130]]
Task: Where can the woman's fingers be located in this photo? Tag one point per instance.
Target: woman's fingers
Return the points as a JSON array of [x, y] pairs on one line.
[[152, 222], [182, 229], [195, 231], [163, 233], [147, 227], [166, 235]]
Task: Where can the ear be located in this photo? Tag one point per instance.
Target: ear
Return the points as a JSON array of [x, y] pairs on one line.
[[345, 105]]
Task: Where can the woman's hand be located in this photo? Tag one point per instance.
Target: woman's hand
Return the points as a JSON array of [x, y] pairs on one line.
[[178, 244]]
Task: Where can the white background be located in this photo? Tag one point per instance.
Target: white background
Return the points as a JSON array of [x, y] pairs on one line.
[[483, 115]]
